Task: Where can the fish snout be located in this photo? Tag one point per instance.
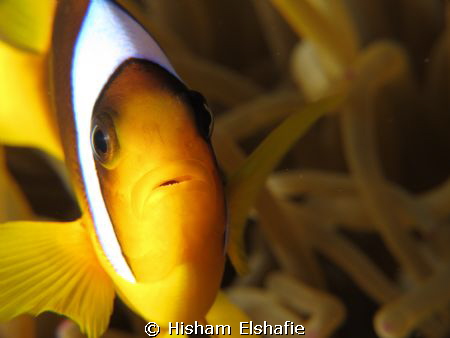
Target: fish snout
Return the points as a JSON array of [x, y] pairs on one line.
[[178, 206], [164, 181]]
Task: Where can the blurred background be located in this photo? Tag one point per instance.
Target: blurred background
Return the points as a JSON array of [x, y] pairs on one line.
[[350, 235]]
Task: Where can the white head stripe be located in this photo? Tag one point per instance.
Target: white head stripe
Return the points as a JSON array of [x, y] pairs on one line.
[[108, 36]]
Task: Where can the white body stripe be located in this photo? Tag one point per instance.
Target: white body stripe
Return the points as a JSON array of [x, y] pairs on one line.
[[108, 36]]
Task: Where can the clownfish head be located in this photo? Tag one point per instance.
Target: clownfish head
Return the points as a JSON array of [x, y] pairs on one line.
[[160, 183]]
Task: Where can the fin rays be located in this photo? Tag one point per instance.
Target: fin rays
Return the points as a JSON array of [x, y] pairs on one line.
[[46, 266]]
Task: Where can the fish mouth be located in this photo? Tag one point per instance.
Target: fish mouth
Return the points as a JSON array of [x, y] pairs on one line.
[[173, 177], [173, 182]]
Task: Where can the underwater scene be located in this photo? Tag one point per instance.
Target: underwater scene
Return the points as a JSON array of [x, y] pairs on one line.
[[224, 168]]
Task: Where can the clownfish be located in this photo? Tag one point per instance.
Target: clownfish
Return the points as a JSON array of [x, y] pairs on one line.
[[136, 143]]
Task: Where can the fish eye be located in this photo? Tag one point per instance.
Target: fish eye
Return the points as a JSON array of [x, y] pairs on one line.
[[100, 141], [104, 139], [203, 115]]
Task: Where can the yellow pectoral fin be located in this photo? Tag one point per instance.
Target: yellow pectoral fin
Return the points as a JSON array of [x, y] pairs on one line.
[[27, 23], [25, 114], [50, 266], [223, 312]]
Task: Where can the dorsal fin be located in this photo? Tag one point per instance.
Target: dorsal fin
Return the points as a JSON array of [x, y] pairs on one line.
[[27, 24], [26, 119]]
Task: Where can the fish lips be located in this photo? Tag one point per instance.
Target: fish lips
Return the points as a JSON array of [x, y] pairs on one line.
[[175, 177]]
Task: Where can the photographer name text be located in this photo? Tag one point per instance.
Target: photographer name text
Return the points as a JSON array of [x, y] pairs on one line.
[[245, 329]]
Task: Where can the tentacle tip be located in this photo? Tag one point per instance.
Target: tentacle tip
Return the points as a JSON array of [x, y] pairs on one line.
[[385, 327]]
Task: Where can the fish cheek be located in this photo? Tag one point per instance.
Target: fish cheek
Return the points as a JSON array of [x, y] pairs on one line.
[[127, 227]]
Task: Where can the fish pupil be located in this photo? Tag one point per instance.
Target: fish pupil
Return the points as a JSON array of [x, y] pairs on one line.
[[100, 141]]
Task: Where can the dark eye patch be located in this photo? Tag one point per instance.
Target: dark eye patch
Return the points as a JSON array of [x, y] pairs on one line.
[[203, 116], [169, 83]]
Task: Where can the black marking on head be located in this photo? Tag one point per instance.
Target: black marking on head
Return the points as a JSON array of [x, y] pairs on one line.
[[168, 82], [203, 115]]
